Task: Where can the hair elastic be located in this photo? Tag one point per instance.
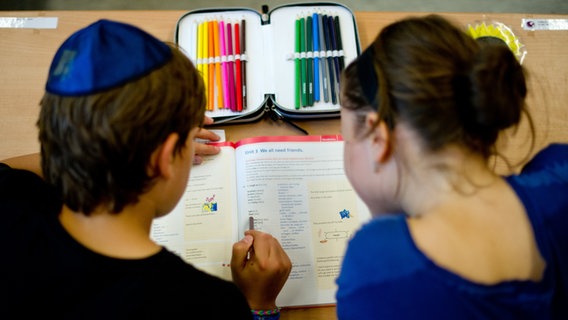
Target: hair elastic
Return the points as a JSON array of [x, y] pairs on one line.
[[367, 76]]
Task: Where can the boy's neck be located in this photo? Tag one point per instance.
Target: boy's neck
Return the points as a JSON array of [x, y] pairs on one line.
[[124, 235]]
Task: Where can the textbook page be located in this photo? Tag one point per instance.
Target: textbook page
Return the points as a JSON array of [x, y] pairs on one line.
[[296, 189], [203, 226]]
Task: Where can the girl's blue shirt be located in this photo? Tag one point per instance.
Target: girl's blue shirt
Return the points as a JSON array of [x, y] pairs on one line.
[[385, 276]]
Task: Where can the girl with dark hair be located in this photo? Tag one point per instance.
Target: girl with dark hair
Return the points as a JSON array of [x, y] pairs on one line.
[[422, 110]]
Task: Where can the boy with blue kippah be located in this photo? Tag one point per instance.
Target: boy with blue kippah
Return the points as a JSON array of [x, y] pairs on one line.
[[117, 128]]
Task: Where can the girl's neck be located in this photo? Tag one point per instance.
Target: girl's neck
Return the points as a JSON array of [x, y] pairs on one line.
[[449, 176]]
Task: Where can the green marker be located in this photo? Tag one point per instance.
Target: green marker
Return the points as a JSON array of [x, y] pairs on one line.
[[298, 77], [303, 62]]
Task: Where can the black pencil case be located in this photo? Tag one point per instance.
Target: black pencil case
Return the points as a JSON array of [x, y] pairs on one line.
[[270, 58]]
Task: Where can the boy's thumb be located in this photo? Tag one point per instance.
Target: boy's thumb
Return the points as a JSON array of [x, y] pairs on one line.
[[240, 250]]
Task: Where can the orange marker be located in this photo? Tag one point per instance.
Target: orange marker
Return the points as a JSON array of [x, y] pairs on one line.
[[211, 88], [218, 80]]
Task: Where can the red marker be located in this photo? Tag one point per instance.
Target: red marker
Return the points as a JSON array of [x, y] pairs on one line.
[[238, 85]]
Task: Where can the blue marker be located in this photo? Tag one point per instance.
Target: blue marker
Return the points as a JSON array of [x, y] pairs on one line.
[[316, 57]]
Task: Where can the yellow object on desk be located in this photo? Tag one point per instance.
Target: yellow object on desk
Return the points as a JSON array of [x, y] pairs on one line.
[[500, 32]]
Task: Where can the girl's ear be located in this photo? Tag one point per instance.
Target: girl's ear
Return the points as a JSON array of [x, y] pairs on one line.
[[380, 138], [162, 159]]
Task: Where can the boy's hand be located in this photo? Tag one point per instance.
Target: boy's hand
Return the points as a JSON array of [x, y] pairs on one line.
[[202, 149], [264, 273]]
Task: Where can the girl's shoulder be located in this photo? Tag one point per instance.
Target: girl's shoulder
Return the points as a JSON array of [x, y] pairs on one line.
[[553, 157], [384, 248]]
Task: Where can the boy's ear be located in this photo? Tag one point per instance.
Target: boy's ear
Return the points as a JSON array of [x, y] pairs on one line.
[[163, 157], [380, 138]]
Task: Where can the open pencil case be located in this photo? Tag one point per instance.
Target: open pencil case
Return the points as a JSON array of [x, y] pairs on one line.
[[280, 70]]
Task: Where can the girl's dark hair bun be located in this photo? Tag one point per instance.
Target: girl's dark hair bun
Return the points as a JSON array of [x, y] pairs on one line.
[[498, 90]]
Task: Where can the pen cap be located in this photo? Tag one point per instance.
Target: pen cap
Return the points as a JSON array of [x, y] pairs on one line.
[[104, 55]]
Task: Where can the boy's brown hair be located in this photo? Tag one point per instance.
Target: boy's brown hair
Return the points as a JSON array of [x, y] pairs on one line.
[[96, 148]]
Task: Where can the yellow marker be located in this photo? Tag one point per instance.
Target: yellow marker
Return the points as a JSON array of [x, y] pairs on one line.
[[206, 59], [200, 48]]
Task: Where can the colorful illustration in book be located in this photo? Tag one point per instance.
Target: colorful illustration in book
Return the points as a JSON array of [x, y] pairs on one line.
[[210, 204]]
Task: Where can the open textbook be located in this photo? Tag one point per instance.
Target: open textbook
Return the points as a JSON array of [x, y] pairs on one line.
[[294, 187]]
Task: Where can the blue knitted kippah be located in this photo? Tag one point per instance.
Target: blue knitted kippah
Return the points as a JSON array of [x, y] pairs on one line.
[[104, 55]]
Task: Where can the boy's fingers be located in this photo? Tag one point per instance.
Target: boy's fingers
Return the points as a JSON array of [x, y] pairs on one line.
[[207, 135], [240, 250], [207, 120]]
